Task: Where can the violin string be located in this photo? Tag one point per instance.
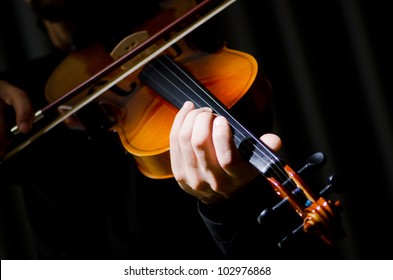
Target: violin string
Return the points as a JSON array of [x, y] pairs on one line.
[[281, 170]]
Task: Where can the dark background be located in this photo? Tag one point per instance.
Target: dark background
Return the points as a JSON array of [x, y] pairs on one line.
[[329, 65]]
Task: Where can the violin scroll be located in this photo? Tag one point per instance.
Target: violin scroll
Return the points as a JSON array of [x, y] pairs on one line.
[[319, 215]]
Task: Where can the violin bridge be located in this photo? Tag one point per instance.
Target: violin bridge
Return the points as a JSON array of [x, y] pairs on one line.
[[128, 44]]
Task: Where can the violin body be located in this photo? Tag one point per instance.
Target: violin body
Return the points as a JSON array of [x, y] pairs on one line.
[[144, 118], [144, 130]]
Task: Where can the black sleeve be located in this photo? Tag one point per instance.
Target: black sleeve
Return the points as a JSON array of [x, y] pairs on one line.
[[234, 225]]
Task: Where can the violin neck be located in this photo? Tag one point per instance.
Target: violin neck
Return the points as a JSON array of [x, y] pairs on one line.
[[176, 85]]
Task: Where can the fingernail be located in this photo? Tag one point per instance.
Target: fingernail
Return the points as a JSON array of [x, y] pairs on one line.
[[219, 121], [188, 104], [23, 127]]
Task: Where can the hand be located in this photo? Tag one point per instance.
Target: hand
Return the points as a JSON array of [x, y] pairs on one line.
[[204, 159], [24, 114]]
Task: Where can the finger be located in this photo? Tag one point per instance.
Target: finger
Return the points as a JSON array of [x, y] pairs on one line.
[[204, 148], [272, 141], [175, 150], [228, 156], [190, 160], [183, 160], [24, 113], [202, 141], [19, 100]]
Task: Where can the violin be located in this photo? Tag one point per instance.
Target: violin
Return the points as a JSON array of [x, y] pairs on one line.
[[176, 85], [151, 86]]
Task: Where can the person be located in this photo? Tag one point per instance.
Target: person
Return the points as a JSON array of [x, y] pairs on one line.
[[84, 196]]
